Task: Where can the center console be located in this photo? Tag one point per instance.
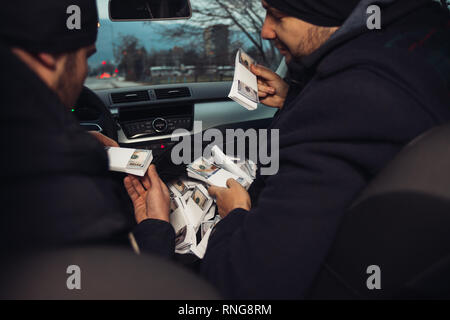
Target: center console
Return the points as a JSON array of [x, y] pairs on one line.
[[153, 121]]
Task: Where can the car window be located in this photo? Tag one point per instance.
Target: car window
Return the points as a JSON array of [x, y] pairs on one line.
[[200, 49]]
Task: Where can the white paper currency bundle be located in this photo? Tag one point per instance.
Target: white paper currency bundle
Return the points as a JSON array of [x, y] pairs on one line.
[[192, 213], [131, 161], [212, 174], [227, 163], [245, 85], [248, 166], [184, 232]]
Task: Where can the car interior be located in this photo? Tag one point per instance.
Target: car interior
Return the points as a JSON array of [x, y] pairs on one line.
[[402, 215]]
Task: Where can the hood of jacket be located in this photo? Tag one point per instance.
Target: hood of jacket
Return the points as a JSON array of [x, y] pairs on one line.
[[354, 26]]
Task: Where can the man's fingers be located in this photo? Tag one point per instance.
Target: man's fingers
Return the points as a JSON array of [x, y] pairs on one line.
[[266, 89], [104, 139], [232, 183], [164, 188], [146, 182], [263, 72], [262, 94], [130, 189], [261, 82], [156, 181], [137, 185], [214, 191], [153, 176], [139, 206]]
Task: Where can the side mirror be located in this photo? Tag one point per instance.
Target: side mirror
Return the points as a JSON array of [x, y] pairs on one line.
[[149, 10]]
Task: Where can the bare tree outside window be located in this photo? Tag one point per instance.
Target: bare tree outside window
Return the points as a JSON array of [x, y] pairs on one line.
[[244, 18], [202, 48]]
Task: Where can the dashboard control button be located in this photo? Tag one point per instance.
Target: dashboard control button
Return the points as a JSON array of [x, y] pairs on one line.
[[160, 125]]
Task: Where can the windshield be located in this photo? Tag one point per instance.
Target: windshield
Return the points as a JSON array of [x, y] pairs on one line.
[[200, 49]]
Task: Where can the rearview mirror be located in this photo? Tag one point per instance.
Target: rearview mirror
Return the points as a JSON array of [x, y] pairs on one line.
[[149, 10]]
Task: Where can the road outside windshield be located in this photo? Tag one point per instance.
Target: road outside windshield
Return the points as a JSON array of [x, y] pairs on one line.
[[200, 49]]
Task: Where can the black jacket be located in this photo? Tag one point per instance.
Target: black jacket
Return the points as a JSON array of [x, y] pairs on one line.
[[55, 185], [363, 96]]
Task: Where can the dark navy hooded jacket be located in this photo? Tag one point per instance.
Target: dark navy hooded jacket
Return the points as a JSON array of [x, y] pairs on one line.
[[352, 106], [56, 189]]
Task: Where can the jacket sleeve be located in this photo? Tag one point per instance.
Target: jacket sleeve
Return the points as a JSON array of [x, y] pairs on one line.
[[155, 236], [333, 139]]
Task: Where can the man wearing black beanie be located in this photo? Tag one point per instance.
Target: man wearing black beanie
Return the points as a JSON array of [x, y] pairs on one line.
[[355, 95], [55, 185]]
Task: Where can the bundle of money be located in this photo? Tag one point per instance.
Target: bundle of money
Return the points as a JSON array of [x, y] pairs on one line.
[[244, 89], [192, 213], [185, 235], [247, 166], [228, 164], [212, 174], [131, 161]]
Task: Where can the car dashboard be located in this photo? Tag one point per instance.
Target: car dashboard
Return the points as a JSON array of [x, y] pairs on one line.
[[147, 116]]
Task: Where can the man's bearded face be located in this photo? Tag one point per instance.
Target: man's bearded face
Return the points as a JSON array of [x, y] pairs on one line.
[[293, 37]]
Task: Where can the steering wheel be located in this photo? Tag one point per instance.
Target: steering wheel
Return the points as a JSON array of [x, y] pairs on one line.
[[93, 114]]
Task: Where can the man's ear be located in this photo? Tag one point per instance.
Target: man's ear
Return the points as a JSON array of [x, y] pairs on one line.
[[49, 60]]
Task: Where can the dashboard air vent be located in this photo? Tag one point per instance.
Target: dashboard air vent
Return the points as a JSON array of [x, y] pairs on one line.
[[172, 93], [131, 96]]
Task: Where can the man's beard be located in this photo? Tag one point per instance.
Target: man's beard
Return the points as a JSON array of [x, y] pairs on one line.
[[68, 87], [315, 38]]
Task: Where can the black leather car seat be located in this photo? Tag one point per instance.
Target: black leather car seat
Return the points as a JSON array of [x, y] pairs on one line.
[[400, 223], [105, 273]]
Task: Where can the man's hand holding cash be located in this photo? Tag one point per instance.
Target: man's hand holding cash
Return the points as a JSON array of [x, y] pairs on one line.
[[272, 89], [254, 84], [150, 196], [187, 203], [228, 199]]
